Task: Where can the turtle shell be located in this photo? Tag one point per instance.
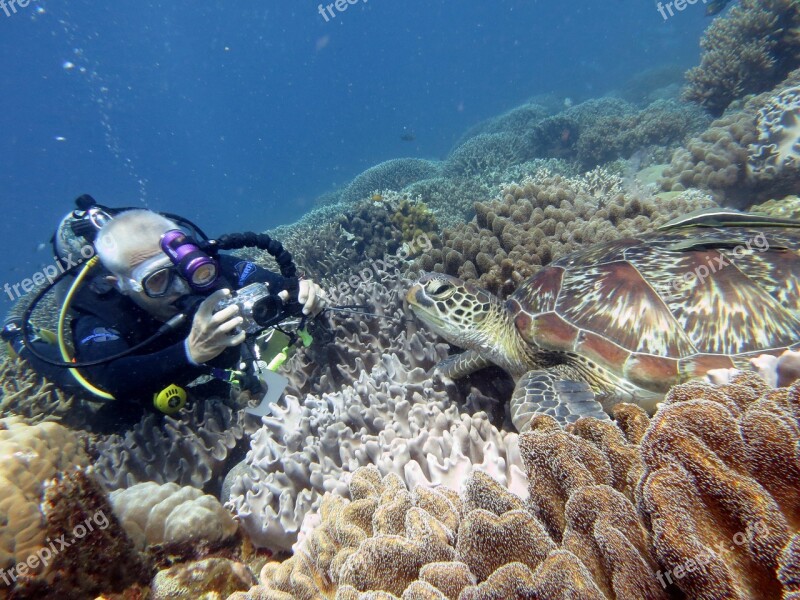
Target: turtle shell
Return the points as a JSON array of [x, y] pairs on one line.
[[669, 306]]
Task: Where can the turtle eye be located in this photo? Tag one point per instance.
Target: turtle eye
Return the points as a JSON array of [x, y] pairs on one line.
[[440, 289]]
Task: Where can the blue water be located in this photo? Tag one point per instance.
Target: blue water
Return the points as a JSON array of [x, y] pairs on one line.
[[238, 114]]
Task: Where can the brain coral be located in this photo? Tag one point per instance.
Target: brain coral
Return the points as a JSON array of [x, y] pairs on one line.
[[700, 502], [543, 218], [748, 51]]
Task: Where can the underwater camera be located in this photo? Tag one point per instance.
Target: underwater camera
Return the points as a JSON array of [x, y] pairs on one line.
[[260, 307]]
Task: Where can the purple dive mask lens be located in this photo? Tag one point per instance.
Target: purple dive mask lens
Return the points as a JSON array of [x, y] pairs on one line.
[[194, 265]]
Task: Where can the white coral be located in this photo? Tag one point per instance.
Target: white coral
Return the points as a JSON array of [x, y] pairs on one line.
[[168, 513]]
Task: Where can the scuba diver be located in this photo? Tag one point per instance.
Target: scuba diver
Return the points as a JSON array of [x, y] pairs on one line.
[[164, 309]]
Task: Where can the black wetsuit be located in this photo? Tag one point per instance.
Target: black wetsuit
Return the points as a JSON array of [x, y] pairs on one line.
[[107, 324]]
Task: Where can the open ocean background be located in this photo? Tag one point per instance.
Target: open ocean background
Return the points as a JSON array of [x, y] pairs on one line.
[[238, 115]]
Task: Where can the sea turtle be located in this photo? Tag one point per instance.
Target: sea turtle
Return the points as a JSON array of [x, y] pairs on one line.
[[624, 321]]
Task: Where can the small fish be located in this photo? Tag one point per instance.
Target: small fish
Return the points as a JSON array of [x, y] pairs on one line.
[[408, 135], [716, 7]]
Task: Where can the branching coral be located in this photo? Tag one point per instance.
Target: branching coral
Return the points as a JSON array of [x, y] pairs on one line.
[[29, 396], [663, 123], [748, 51]]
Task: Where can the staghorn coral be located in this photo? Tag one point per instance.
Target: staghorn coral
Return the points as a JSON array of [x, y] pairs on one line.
[[154, 514], [543, 218], [191, 448], [748, 51], [31, 397]]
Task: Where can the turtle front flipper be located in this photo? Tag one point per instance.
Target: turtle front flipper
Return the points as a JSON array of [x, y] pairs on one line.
[[460, 365], [543, 393]]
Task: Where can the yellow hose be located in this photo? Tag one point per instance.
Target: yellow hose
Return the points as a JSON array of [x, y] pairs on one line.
[[62, 317]]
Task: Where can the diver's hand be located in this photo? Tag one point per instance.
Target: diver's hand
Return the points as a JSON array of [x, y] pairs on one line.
[[310, 295], [210, 330]]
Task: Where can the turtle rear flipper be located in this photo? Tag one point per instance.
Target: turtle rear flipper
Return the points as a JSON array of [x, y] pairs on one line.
[[542, 393], [460, 365]]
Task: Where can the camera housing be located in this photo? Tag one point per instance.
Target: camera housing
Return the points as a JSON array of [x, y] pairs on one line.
[[259, 307]]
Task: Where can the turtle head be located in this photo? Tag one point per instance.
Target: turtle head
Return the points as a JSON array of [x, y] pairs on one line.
[[460, 312]]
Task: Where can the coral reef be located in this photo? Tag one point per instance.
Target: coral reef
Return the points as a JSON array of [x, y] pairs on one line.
[[413, 219], [748, 51], [702, 501], [518, 120], [30, 456], [778, 146], [543, 218], [721, 485], [744, 157], [488, 153], [391, 417], [390, 175], [86, 550], [209, 579], [154, 514], [29, 396], [663, 123], [191, 448]]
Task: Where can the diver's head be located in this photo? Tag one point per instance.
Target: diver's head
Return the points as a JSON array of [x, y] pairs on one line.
[[129, 247]]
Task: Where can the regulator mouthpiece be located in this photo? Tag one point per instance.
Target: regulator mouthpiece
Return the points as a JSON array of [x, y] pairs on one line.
[[194, 265]]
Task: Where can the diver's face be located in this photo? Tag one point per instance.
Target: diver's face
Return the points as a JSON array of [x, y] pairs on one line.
[[153, 285]]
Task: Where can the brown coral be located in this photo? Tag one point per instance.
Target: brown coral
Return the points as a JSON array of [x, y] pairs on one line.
[[721, 160], [543, 218], [703, 504], [748, 51]]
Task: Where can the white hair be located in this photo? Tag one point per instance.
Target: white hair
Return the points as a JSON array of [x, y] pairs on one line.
[[129, 235]]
